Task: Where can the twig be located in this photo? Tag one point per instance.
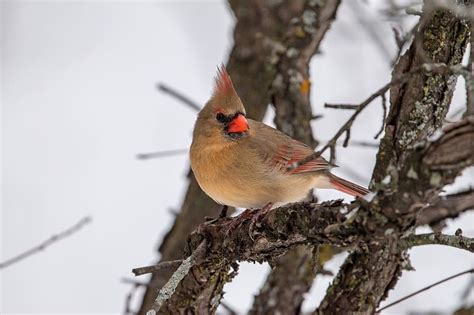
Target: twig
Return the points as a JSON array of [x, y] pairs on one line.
[[384, 115], [160, 154], [128, 299], [162, 265], [341, 106], [179, 96], [401, 40], [42, 246], [457, 241], [168, 153], [228, 308], [437, 68], [134, 282], [425, 288], [168, 289], [447, 207]]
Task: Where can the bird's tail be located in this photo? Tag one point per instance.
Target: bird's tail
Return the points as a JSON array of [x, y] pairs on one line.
[[347, 187]]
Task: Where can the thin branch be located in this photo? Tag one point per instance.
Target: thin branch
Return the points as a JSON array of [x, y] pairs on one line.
[[160, 154], [134, 282], [162, 265], [384, 116], [42, 246], [426, 288], [228, 308], [169, 153], [447, 207], [457, 241], [128, 300], [179, 96], [438, 68], [341, 106], [168, 289]]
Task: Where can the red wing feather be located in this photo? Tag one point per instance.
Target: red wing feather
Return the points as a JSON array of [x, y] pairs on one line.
[[296, 151]]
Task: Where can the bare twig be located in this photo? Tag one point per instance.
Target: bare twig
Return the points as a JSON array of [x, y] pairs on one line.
[[42, 246], [438, 68], [228, 308], [134, 282], [341, 106], [179, 96], [128, 300], [169, 153], [160, 154], [426, 288], [162, 265], [457, 241], [447, 207], [384, 115], [168, 289]]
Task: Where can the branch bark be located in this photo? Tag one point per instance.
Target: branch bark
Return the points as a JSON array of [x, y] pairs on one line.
[[457, 241], [447, 207], [418, 108]]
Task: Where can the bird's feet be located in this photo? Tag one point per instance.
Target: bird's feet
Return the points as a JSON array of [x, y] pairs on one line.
[[241, 218], [258, 216], [222, 214], [253, 215]]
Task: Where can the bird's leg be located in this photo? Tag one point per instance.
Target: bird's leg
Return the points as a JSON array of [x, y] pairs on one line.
[[261, 213], [222, 214], [241, 218]]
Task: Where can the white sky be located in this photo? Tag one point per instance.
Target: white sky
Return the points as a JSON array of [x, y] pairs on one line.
[[79, 101]]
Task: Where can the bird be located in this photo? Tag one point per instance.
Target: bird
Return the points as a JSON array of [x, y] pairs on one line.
[[244, 163]]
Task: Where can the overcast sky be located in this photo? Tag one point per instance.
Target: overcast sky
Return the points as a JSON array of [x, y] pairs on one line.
[[79, 102]]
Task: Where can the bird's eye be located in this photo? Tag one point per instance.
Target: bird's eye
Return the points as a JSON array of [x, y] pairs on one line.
[[221, 118]]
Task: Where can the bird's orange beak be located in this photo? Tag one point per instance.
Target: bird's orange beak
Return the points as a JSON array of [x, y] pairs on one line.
[[238, 124]]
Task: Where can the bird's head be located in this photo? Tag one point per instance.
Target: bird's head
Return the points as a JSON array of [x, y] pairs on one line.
[[224, 113]]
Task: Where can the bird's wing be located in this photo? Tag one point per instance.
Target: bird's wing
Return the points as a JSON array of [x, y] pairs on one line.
[[281, 151]]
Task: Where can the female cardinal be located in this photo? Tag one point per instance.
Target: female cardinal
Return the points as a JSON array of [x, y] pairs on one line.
[[244, 163]]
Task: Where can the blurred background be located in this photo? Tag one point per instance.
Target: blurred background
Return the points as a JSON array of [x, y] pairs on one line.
[[79, 102]]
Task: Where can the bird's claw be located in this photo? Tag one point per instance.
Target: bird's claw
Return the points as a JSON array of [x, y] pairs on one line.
[[255, 218], [244, 216], [222, 214]]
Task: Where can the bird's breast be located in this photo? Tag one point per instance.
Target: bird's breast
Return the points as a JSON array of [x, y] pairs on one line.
[[246, 182]]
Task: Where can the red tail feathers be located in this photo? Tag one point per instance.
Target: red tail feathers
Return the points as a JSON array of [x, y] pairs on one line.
[[347, 187]]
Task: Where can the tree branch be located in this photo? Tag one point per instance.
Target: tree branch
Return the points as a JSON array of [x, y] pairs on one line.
[[457, 241], [447, 207], [168, 289], [153, 268], [426, 288], [50, 241], [179, 96]]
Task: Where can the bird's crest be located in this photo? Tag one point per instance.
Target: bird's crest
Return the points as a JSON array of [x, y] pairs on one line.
[[223, 83]]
